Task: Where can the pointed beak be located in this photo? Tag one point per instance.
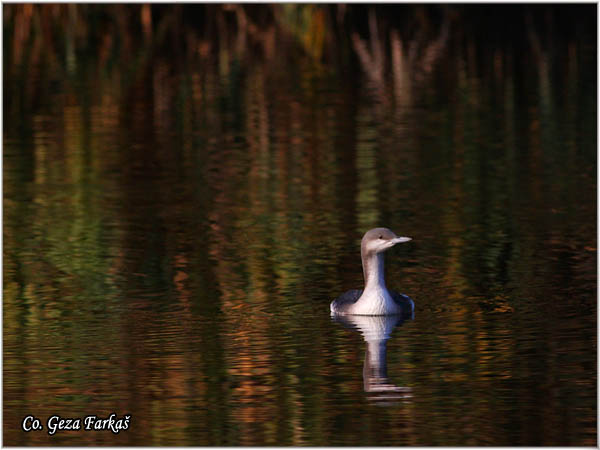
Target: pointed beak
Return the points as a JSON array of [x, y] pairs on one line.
[[400, 240]]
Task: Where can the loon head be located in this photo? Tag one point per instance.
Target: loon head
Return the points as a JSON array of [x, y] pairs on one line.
[[378, 240]]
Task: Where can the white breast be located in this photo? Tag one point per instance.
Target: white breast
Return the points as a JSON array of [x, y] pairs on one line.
[[375, 302]]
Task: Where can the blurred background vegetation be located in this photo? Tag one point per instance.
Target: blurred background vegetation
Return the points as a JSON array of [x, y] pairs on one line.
[[386, 39]]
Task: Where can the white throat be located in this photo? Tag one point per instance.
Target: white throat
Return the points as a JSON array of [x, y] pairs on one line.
[[375, 299], [374, 271]]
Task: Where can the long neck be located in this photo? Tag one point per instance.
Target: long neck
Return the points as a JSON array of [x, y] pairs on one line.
[[373, 270]]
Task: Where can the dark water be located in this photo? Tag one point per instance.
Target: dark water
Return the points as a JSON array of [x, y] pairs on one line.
[[174, 233]]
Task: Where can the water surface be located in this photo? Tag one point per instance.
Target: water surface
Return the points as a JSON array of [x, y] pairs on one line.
[[175, 227]]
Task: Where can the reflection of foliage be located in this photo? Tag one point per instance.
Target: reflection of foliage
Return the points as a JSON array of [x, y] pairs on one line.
[[307, 24], [188, 185]]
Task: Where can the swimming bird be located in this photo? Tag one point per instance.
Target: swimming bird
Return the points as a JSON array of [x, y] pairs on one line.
[[375, 299]]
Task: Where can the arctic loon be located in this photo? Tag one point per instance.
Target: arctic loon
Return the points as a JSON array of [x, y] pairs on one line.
[[375, 299]]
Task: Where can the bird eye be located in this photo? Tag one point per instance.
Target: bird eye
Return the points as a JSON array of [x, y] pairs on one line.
[[381, 237]]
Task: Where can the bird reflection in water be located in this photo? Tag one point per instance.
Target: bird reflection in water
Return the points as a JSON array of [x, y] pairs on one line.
[[376, 331]]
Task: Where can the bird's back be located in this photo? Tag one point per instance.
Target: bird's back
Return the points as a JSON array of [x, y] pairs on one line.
[[344, 302], [406, 304]]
